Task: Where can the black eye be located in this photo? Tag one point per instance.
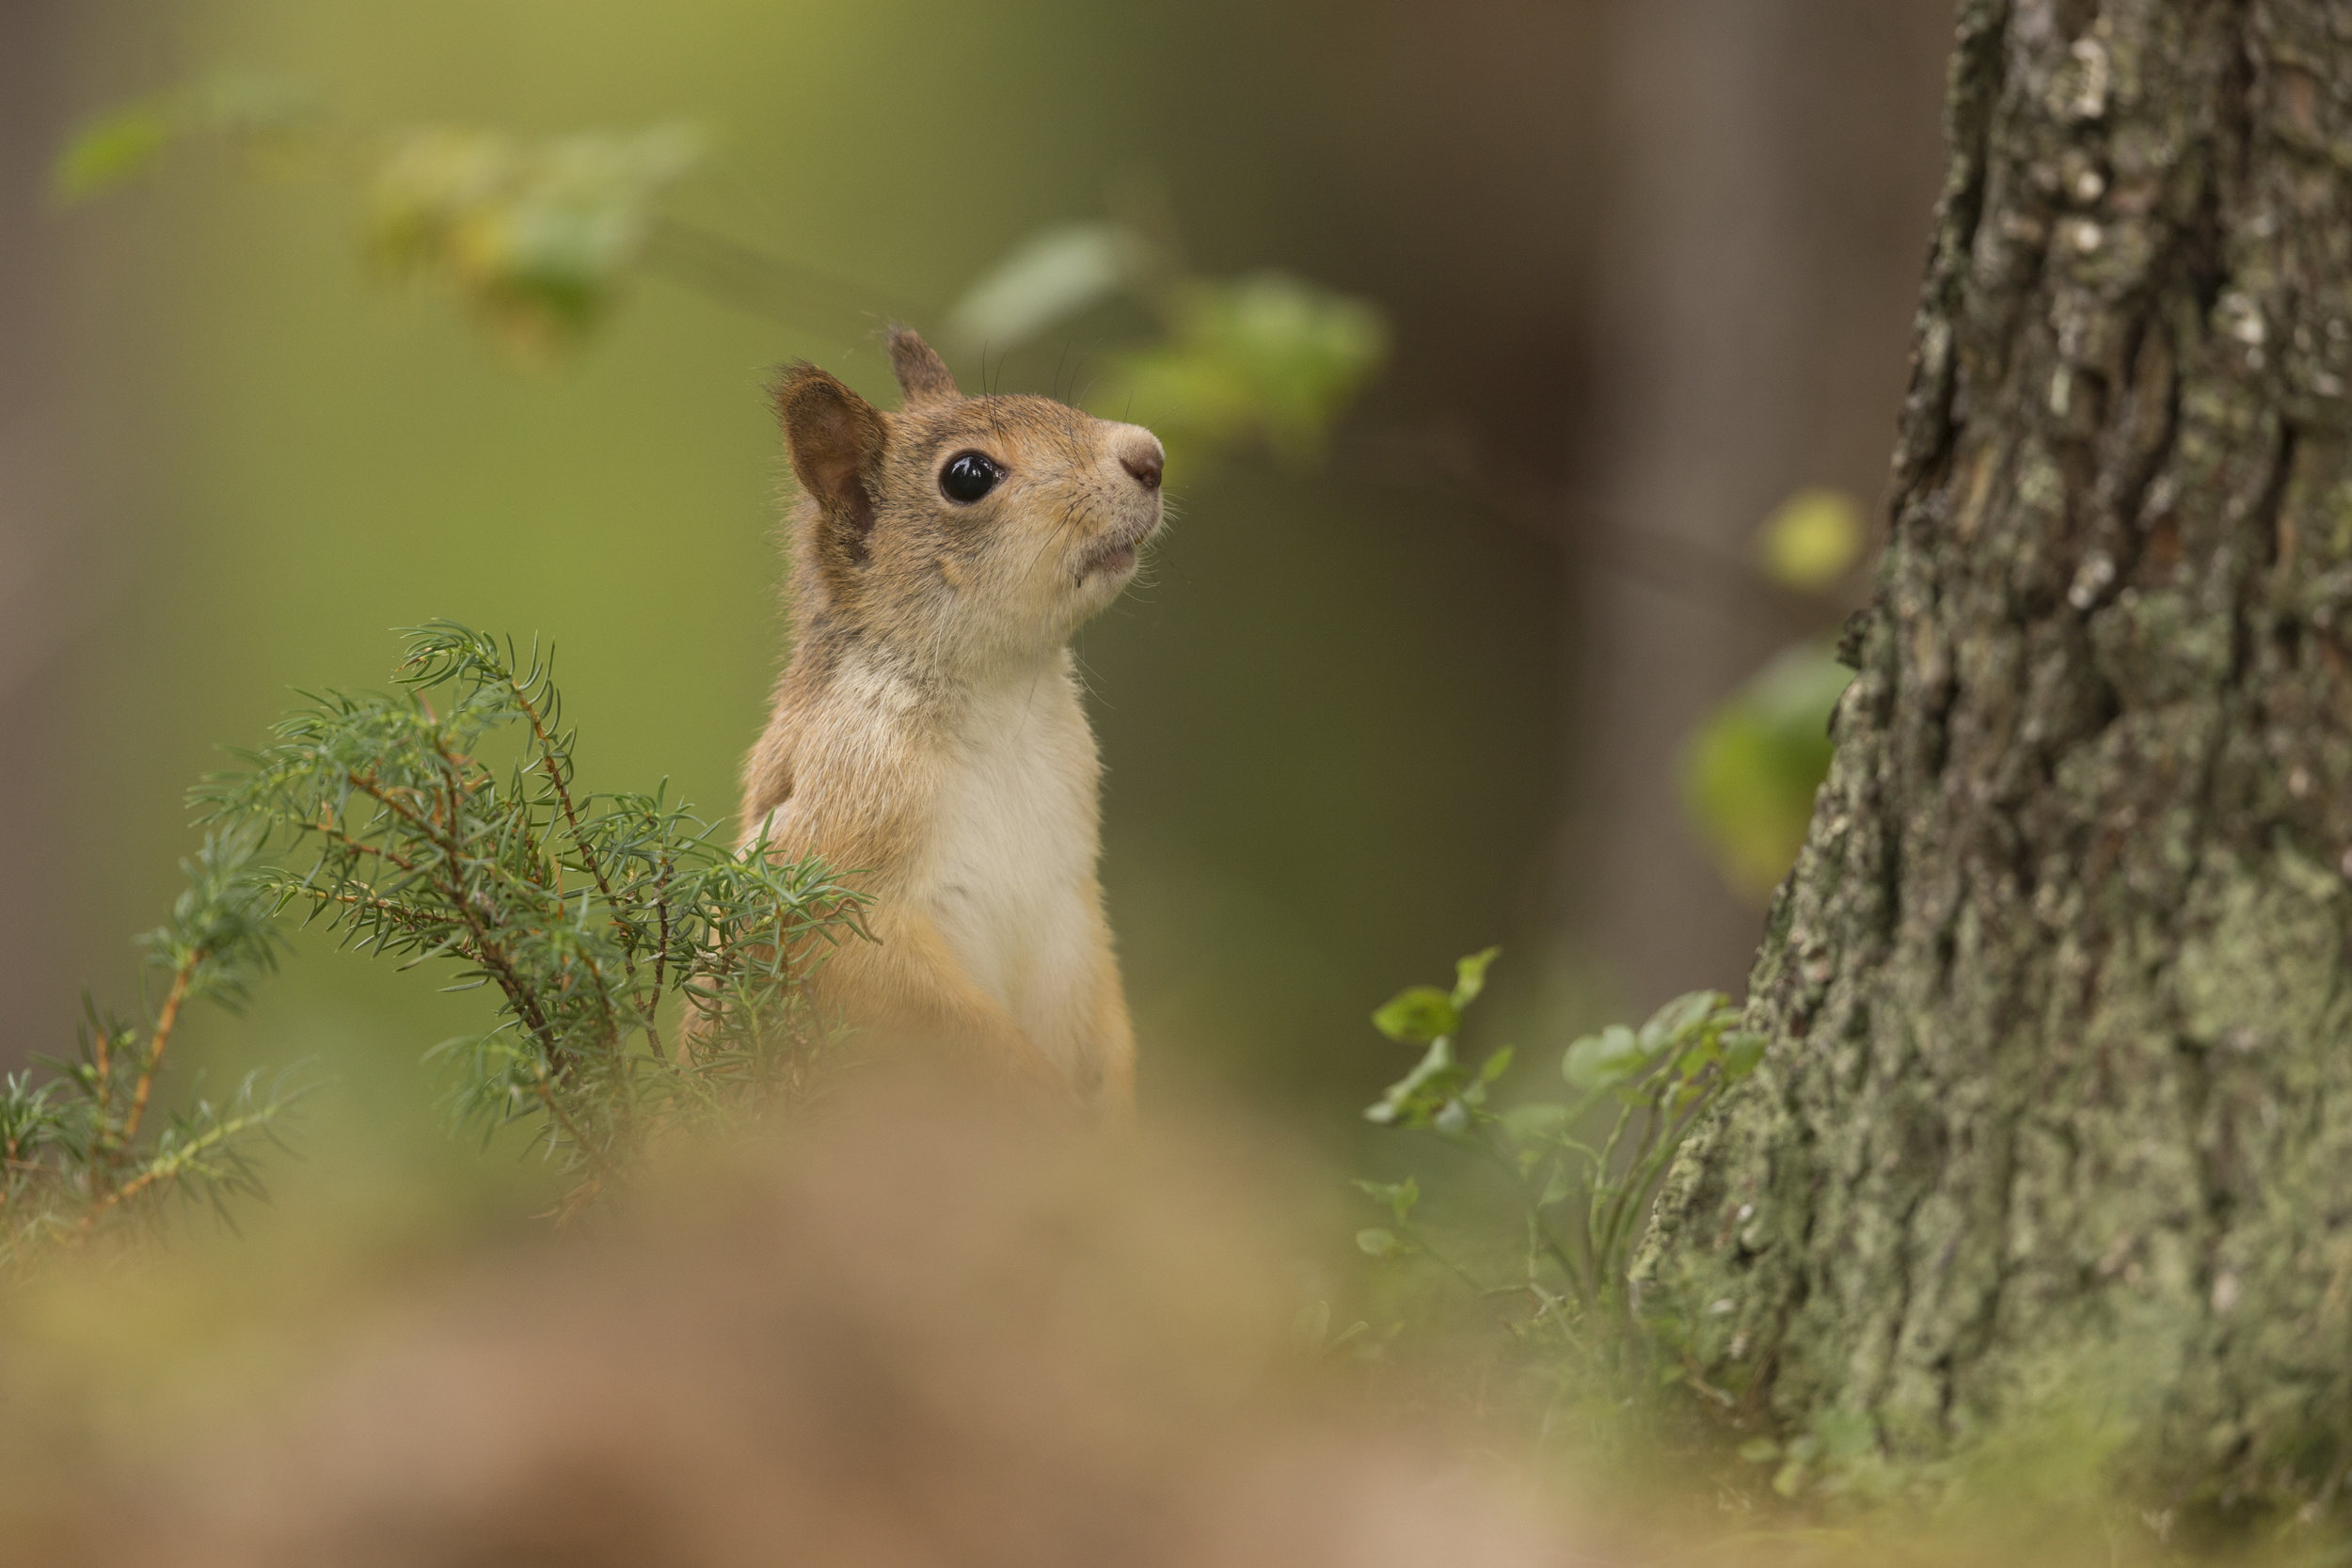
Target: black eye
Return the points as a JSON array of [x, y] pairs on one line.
[[968, 476]]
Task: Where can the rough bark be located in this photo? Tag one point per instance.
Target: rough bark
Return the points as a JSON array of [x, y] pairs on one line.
[[2058, 1100]]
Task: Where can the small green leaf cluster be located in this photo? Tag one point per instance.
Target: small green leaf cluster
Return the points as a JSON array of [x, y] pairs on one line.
[[583, 914], [1582, 1168], [87, 1144], [534, 236], [1267, 361], [1752, 768], [537, 237]]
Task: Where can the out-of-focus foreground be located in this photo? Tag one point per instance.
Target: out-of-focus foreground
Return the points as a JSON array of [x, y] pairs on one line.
[[915, 1338]]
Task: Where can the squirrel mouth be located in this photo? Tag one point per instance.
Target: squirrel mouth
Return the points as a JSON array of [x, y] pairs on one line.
[[1116, 556], [1112, 563]]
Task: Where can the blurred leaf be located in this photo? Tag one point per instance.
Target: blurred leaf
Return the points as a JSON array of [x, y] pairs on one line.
[[1418, 1016], [1741, 1052], [1496, 1066], [1679, 1017], [1050, 278], [112, 149], [1267, 359], [1813, 540], [1398, 1196], [1538, 1119], [1418, 1098], [1599, 1061], [1376, 1243], [1751, 771], [1470, 977], [242, 105], [537, 237]]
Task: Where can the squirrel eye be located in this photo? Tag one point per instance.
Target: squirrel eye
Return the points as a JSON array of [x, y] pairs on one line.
[[968, 476]]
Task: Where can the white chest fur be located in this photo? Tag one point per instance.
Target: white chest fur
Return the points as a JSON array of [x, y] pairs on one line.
[[1008, 875]]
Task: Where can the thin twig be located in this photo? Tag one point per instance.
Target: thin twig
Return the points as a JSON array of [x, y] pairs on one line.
[[158, 1042]]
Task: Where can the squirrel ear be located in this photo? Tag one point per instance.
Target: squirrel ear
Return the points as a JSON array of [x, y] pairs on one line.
[[835, 440], [923, 375]]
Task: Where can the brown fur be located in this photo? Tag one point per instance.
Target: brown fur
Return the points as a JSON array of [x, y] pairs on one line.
[[932, 658]]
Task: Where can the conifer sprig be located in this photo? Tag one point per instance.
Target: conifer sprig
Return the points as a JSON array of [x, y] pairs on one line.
[[79, 1146], [444, 822]]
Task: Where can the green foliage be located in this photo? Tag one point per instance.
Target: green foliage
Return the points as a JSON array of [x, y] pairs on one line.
[[1051, 276], [539, 237], [247, 110], [1420, 1014], [1267, 361], [1751, 771], [535, 236], [88, 1147], [582, 913], [1581, 1170]]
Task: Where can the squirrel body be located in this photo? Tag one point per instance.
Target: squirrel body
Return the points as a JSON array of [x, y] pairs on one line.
[[929, 733]]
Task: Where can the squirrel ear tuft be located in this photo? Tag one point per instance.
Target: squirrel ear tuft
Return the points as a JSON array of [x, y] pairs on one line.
[[835, 440], [923, 375]]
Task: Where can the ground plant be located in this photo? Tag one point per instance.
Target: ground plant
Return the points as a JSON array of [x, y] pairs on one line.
[[1578, 1165], [91, 1147]]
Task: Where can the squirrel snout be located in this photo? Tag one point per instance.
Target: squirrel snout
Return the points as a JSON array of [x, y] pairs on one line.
[[1141, 455]]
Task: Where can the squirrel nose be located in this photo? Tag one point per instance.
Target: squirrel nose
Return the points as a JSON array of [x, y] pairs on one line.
[[1144, 459]]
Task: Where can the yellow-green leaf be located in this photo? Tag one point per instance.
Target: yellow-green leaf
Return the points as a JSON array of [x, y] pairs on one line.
[[113, 147], [1812, 540]]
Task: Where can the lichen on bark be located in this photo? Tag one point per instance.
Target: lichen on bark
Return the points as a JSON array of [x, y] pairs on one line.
[[2058, 1100]]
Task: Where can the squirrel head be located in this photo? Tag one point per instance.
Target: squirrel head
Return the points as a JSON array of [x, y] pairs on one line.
[[960, 531]]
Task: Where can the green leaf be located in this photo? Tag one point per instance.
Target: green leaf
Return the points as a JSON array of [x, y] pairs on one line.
[[535, 236], [113, 147], [1270, 360], [1418, 1016], [1051, 277], [1399, 1196], [1540, 1118], [1812, 540], [1604, 1060], [1495, 1066], [244, 107], [1760, 1450], [1751, 770], [1376, 1243], [1470, 977], [1672, 1023], [1415, 1100], [1741, 1052]]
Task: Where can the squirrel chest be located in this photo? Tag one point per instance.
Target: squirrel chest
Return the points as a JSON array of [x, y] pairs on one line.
[[1007, 870]]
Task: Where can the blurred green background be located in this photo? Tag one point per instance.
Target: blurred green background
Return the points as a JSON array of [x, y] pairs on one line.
[[1649, 269]]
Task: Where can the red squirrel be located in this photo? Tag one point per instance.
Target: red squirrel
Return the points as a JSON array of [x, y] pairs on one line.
[[928, 732]]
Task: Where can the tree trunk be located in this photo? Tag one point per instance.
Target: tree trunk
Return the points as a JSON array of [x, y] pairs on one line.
[[2059, 1099]]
